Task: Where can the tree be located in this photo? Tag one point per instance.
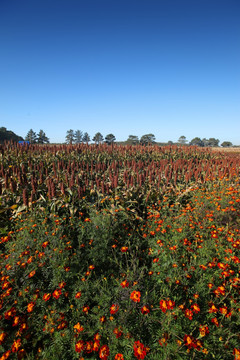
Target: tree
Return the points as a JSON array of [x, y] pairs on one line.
[[133, 139], [109, 139], [213, 142], [98, 138], [78, 136], [182, 140], [8, 135], [86, 137], [226, 144], [70, 136], [31, 137], [147, 139], [42, 138], [196, 141]]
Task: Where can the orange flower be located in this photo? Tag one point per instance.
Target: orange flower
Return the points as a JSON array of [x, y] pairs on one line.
[[56, 294], [2, 337], [139, 350], [204, 330], [119, 357], [79, 346], [16, 345], [46, 296], [188, 314], [145, 310], [78, 295], [135, 296], [195, 308], [85, 309], [124, 249], [30, 307], [124, 284], [114, 309], [163, 305], [104, 352], [78, 327]]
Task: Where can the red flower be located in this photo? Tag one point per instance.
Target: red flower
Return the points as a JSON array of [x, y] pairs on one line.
[[16, 345], [145, 310], [139, 350], [119, 357], [135, 296], [56, 294], [46, 297], [30, 307], [195, 308], [104, 352], [188, 314], [78, 295], [124, 284], [163, 305], [79, 346], [114, 309]]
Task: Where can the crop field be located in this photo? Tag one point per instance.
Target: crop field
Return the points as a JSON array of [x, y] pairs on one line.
[[119, 252]]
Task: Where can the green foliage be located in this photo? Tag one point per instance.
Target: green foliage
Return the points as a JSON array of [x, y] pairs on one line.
[[149, 260], [7, 135]]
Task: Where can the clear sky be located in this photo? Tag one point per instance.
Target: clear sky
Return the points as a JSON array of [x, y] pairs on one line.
[[167, 67]]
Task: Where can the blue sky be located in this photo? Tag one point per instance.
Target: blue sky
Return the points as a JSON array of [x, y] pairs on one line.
[[167, 67]]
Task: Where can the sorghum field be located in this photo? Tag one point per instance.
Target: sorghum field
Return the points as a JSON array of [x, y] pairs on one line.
[[119, 252]]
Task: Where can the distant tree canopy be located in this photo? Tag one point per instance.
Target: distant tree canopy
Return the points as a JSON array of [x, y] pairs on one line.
[[196, 141], [42, 138], [31, 136], [78, 137], [226, 144], [182, 140], [109, 139], [133, 139], [8, 135], [69, 137], [39, 138], [98, 138], [86, 138], [147, 139]]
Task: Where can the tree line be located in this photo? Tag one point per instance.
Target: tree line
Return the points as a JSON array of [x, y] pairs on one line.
[[77, 137]]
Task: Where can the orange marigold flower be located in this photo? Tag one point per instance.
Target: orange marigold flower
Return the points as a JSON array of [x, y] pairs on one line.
[[215, 321], [117, 332], [2, 337], [139, 350], [104, 352], [88, 347], [79, 346], [170, 304], [124, 249], [135, 296], [188, 314], [32, 273], [119, 357], [78, 328], [114, 309], [78, 295], [236, 353], [16, 345], [124, 284], [195, 308], [102, 319], [85, 309], [163, 305], [203, 330], [62, 284], [145, 310], [30, 307], [56, 294], [46, 296]]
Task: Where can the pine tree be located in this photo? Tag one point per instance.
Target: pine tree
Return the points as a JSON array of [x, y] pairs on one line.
[[42, 138], [31, 137]]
